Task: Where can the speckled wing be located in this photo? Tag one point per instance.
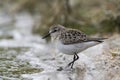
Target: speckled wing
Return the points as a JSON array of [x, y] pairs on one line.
[[72, 36]]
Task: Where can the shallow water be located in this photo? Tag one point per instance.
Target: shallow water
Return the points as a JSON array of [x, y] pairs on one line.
[[24, 56], [15, 40], [12, 67]]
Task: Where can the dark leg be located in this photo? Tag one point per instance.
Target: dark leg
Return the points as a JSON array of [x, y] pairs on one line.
[[72, 61], [76, 57]]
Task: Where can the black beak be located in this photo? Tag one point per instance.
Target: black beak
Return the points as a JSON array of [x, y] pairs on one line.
[[47, 35]]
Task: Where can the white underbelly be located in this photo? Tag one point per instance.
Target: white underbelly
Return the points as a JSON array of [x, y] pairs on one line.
[[74, 48]]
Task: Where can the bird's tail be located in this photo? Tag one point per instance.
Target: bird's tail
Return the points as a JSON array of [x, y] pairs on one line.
[[97, 39]]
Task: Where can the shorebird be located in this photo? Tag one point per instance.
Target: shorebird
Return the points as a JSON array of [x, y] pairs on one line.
[[71, 41]]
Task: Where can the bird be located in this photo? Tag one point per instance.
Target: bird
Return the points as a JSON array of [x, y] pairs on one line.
[[71, 41]]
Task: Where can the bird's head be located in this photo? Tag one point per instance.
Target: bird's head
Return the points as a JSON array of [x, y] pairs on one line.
[[54, 31]]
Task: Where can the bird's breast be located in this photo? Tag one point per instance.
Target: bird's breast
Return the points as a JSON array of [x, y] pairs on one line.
[[70, 49]]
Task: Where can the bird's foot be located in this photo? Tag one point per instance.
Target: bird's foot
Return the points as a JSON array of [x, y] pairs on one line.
[[70, 65], [60, 69], [65, 69]]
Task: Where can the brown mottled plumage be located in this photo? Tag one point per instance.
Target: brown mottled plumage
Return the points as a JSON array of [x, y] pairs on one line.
[[70, 36]]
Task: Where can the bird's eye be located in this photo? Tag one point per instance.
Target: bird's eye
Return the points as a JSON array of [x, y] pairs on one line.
[[55, 30]]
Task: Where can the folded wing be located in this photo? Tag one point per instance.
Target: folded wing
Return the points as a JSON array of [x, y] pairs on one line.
[[74, 36]]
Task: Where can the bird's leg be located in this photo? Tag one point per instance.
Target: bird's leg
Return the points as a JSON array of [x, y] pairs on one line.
[[76, 57], [72, 61]]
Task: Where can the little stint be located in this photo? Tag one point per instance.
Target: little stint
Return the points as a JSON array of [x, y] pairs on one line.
[[71, 41]]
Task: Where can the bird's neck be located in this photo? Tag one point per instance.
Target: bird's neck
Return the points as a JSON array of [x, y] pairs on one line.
[[56, 36]]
